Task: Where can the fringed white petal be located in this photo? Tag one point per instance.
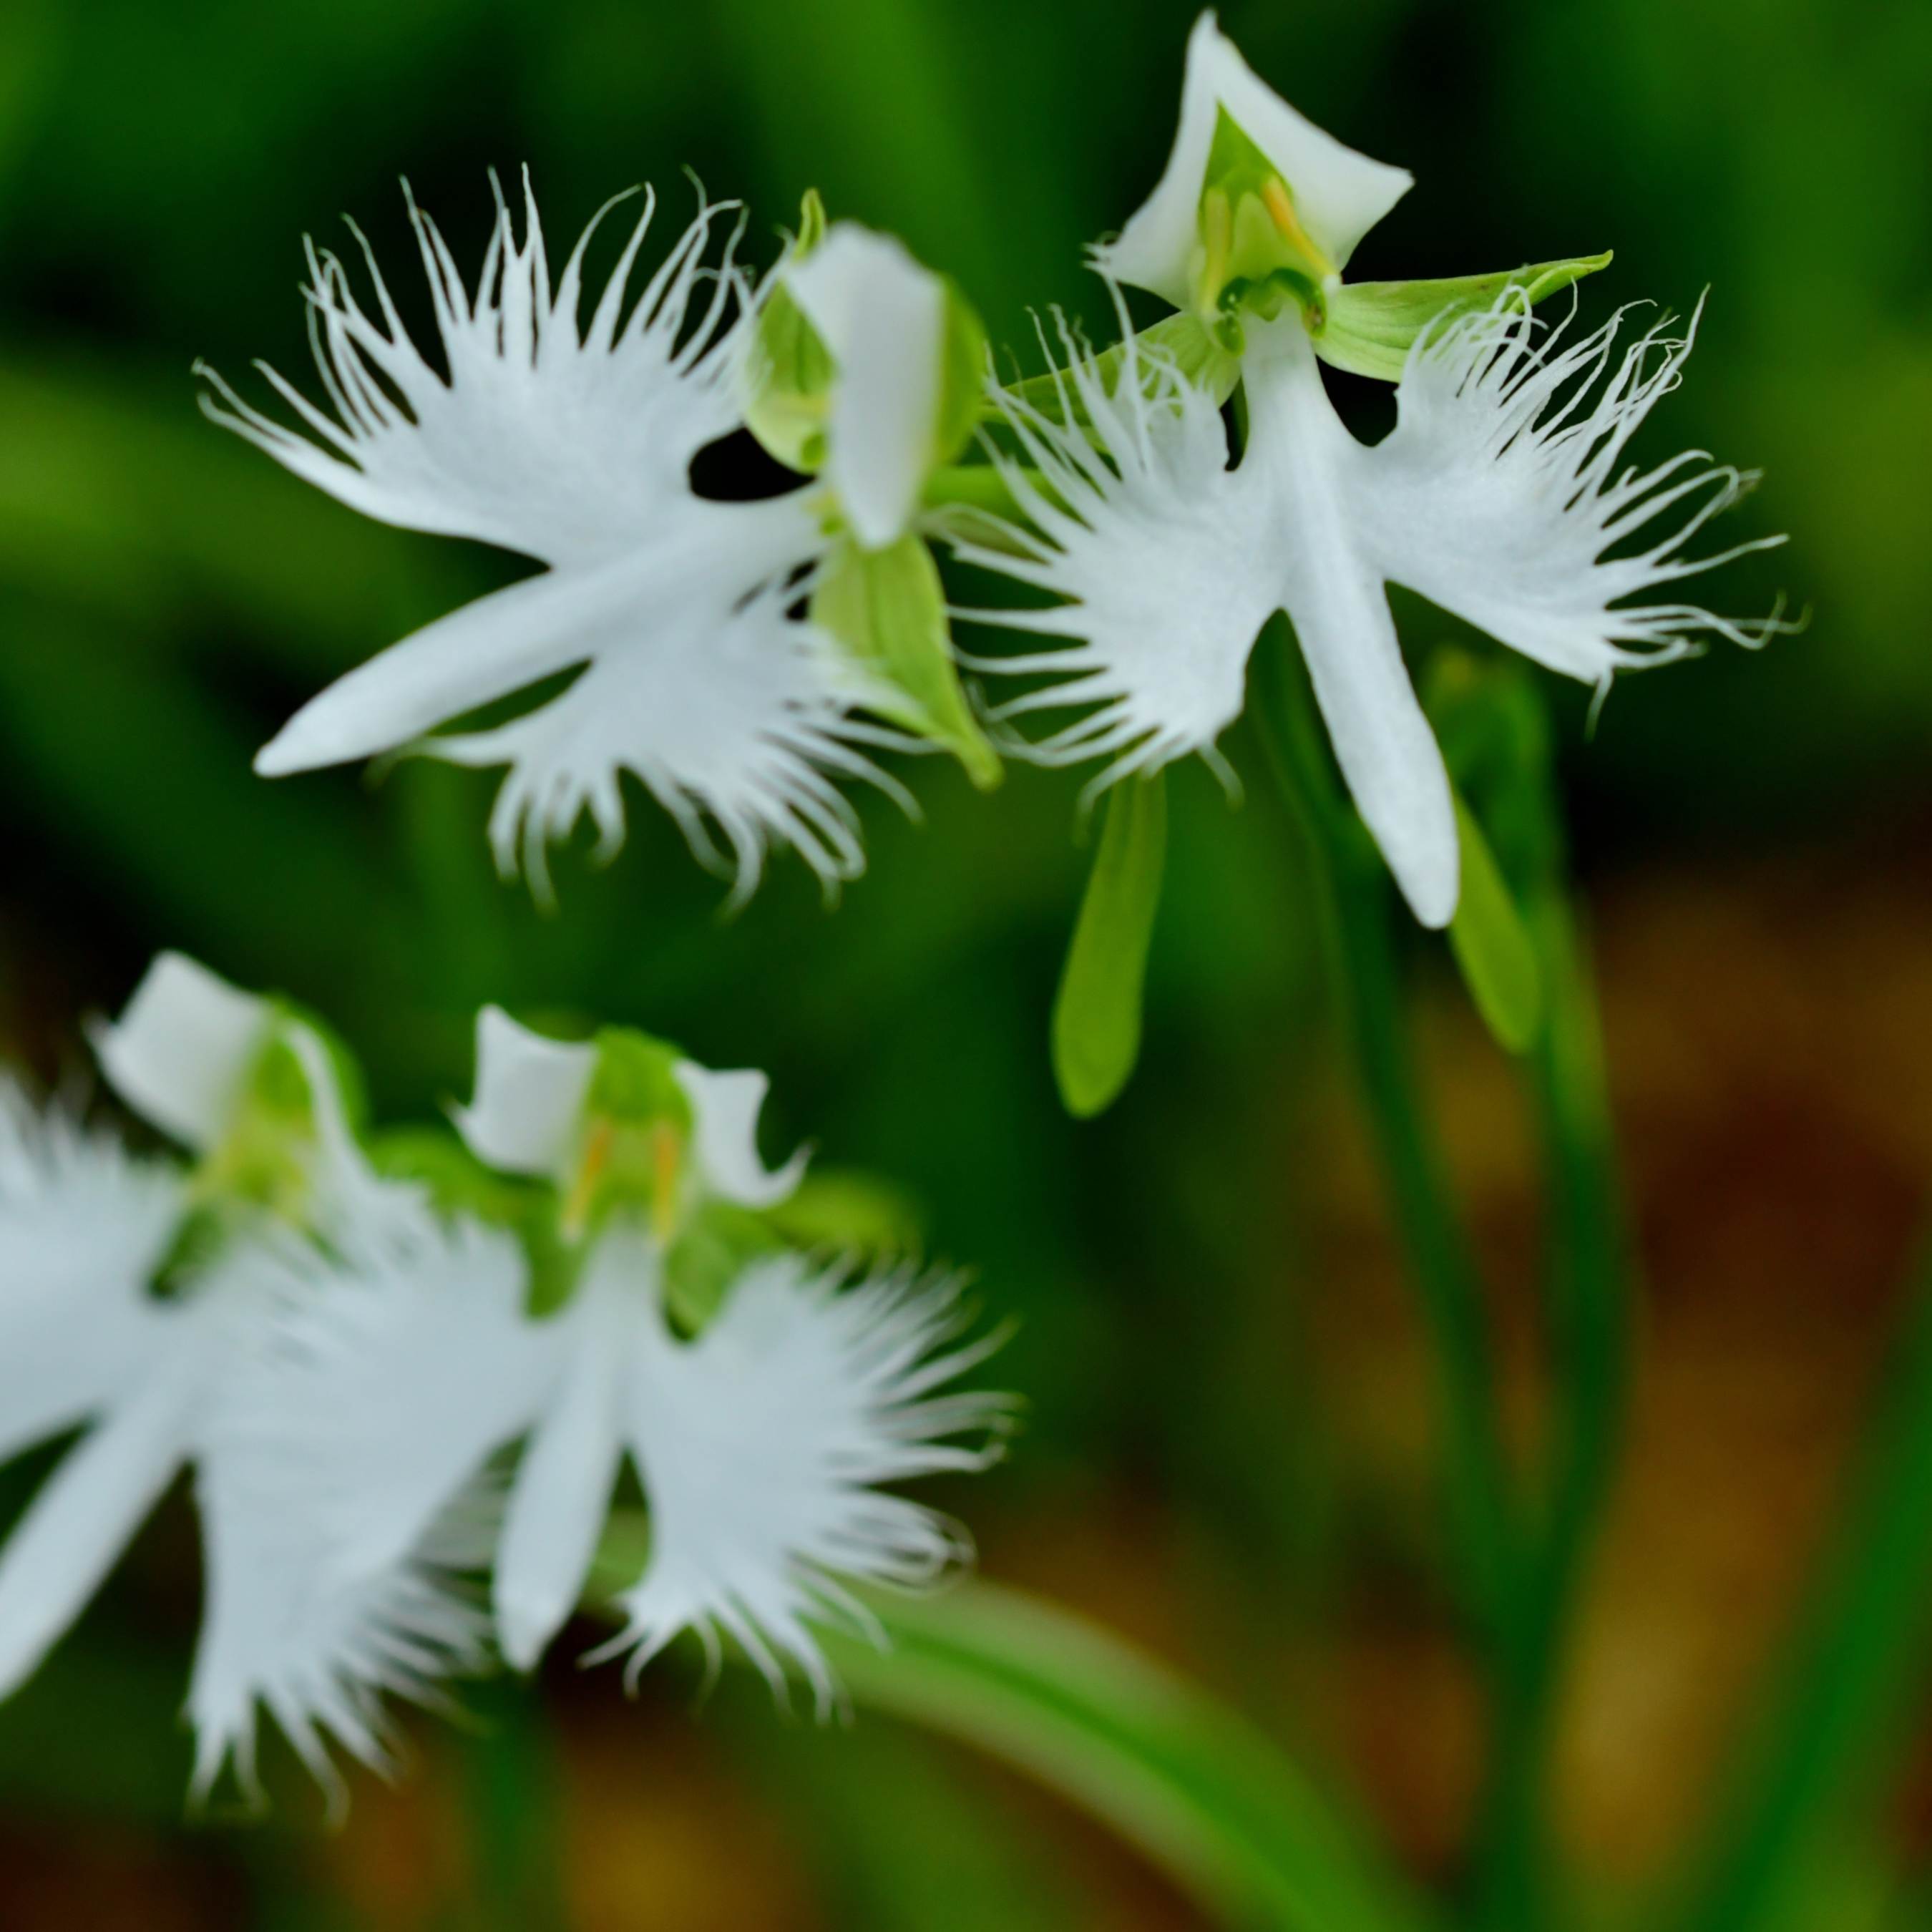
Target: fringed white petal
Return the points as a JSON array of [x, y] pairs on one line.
[[397, 1366], [529, 1097], [761, 1445], [285, 1631], [572, 442], [1499, 495], [181, 1047], [725, 1109], [736, 718], [1340, 195], [1162, 554], [563, 439], [83, 1227]]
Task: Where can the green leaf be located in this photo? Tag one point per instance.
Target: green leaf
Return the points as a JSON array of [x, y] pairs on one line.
[[1180, 339], [887, 608], [1370, 325], [1202, 1795], [1096, 1016], [1493, 945]]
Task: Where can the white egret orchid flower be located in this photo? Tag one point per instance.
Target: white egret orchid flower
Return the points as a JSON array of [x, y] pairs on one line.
[[759, 1443], [87, 1341], [571, 442], [1498, 495]]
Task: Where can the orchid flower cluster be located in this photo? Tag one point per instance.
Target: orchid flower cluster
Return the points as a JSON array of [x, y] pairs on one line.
[[396, 1368], [745, 661], [346, 1343]]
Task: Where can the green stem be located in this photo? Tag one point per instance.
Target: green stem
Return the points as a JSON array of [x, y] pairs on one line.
[[509, 1787], [1859, 1661], [1352, 902], [1589, 1298]]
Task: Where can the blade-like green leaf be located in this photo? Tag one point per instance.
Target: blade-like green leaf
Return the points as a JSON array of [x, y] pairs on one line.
[[1096, 1015], [1370, 325], [1200, 1793], [1493, 945]]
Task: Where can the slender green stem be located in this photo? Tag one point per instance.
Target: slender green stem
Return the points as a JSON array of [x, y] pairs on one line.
[[509, 1787], [1352, 898], [1861, 1657], [1589, 1313]]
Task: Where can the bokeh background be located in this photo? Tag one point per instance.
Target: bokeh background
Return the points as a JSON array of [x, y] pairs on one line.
[[1229, 1455]]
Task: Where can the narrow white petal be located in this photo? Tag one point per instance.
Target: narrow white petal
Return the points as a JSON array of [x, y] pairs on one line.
[[761, 1444], [882, 317], [83, 1227], [564, 439], [1334, 595], [690, 568], [1165, 557], [561, 1492], [181, 1047], [529, 1097], [76, 1526], [726, 1107], [1340, 195], [1498, 494]]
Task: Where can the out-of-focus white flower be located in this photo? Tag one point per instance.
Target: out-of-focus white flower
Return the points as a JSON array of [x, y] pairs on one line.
[[571, 442], [90, 1337], [760, 1444]]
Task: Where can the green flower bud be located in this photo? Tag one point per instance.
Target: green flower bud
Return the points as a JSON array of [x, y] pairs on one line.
[[887, 610]]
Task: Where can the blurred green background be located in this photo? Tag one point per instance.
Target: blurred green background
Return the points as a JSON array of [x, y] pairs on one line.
[[1228, 1451]]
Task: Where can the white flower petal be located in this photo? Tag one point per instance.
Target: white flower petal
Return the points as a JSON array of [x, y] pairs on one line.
[[734, 716], [1498, 495], [529, 1097], [1340, 195], [1301, 454], [180, 1049], [561, 1494], [725, 1108], [760, 1444], [399, 1366], [1163, 554], [76, 1526], [689, 569], [882, 317], [563, 439], [285, 1631], [83, 1227]]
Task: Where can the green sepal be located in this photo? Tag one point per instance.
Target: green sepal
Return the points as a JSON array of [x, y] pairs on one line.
[[962, 376], [1369, 327], [712, 1249], [1492, 945], [886, 609], [636, 1081], [793, 370], [847, 1212], [1181, 340], [1096, 1013]]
